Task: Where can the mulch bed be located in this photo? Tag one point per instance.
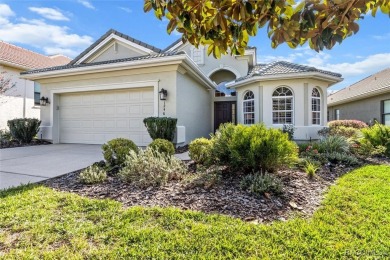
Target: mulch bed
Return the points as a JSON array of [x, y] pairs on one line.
[[301, 196], [13, 144]]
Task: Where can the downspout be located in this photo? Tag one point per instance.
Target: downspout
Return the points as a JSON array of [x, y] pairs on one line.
[[24, 99]]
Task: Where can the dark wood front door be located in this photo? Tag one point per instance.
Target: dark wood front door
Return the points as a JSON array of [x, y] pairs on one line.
[[224, 112]]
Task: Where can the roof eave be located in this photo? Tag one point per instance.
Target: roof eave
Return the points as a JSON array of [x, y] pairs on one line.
[[170, 60], [14, 65], [312, 75], [358, 97]]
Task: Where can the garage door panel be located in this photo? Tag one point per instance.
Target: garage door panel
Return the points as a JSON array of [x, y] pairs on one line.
[[98, 117]]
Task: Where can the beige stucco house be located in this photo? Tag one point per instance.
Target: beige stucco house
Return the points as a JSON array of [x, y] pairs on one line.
[[367, 100], [22, 100], [109, 89]]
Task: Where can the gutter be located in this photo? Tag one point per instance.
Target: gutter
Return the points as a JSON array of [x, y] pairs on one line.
[[315, 75], [153, 62]]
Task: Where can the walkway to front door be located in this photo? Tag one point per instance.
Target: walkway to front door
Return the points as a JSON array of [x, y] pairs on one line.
[[224, 112]]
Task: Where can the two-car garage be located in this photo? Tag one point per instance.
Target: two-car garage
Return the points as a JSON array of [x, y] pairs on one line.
[[99, 116]]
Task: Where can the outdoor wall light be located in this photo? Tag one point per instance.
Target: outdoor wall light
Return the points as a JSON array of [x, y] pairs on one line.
[[44, 101], [163, 94]]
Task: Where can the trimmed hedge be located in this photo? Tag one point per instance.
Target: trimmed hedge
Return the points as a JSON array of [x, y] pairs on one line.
[[24, 129], [161, 127], [116, 150], [347, 123], [162, 146]]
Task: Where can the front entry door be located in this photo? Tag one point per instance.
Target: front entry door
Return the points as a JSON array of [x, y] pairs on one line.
[[224, 112]]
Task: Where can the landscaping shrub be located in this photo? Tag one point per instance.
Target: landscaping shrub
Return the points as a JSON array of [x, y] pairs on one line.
[[163, 146], [200, 150], [5, 135], [255, 147], [289, 129], [310, 168], [347, 123], [161, 127], [24, 129], [343, 158], [364, 147], [93, 174], [258, 184], [324, 132], [347, 132], [378, 135], [220, 151], [332, 143], [115, 151], [151, 168], [251, 148]]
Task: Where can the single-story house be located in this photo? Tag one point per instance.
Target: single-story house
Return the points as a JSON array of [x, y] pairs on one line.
[[22, 100], [367, 100], [109, 89]]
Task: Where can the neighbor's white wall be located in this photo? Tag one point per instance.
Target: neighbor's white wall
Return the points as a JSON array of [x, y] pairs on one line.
[[11, 104], [302, 89], [227, 62], [123, 52], [49, 114], [194, 103]]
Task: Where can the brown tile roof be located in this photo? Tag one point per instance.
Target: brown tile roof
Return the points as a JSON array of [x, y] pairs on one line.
[[372, 85], [27, 59]]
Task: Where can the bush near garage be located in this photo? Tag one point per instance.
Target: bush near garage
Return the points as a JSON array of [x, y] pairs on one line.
[[116, 150], [161, 127], [92, 175], [24, 129], [163, 146], [200, 150]]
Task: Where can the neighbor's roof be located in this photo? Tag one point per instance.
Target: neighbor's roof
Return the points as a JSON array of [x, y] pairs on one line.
[[72, 66], [124, 36], [282, 67], [375, 84], [23, 58]]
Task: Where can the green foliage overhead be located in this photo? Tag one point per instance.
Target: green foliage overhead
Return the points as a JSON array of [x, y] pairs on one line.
[[228, 24]]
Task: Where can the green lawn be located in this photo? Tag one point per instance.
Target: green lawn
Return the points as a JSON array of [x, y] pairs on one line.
[[353, 222]]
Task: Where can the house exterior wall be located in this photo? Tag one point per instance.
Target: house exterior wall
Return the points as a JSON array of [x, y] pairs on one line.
[[163, 77], [364, 110], [121, 52], [18, 102], [227, 62], [301, 88], [194, 104]]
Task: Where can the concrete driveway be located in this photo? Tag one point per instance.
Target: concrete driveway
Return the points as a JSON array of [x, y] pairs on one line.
[[24, 165]]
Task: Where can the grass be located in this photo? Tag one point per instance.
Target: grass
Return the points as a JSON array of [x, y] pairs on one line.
[[353, 222]]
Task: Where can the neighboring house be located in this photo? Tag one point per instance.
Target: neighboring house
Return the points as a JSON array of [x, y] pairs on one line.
[[367, 100], [22, 100], [109, 89]]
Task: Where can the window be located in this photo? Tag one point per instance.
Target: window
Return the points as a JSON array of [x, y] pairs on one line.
[[282, 106], [198, 55], [249, 108], [386, 112], [337, 114], [315, 107], [37, 93]]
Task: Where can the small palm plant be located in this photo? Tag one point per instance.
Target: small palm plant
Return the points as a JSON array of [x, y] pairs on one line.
[[310, 168]]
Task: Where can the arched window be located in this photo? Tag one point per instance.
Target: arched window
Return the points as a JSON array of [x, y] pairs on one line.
[[283, 106], [315, 107], [248, 106]]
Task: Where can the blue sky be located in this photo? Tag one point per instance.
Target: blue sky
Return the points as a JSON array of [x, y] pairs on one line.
[[70, 26]]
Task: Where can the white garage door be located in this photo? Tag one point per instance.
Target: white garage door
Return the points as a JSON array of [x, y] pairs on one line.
[[97, 117]]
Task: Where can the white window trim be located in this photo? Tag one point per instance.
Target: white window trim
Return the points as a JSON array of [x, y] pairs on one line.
[[201, 50], [244, 102], [320, 111], [292, 107]]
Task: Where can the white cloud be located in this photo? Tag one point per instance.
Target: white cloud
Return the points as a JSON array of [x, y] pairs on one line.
[[49, 13], [51, 39], [5, 13], [382, 37], [369, 65], [126, 9], [87, 4]]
